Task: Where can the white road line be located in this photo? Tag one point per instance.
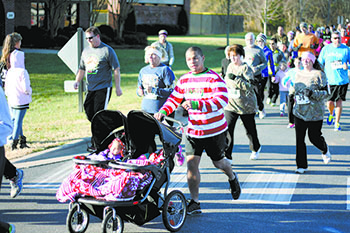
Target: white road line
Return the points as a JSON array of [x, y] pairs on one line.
[[348, 195], [269, 188], [53, 181]]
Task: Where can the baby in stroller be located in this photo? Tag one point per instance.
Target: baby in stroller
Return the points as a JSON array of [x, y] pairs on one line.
[[102, 182], [122, 180]]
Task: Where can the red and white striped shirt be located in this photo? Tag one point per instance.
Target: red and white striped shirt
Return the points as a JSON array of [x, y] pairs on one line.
[[209, 89]]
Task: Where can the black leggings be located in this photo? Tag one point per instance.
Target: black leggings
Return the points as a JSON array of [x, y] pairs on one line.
[[250, 127]]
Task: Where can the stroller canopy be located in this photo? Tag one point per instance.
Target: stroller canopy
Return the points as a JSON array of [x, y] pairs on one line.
[[104, 124], [142, 128]]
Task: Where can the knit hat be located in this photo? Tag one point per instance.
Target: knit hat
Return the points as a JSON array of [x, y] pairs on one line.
[[303, 25], [164, 32], [262, 37]]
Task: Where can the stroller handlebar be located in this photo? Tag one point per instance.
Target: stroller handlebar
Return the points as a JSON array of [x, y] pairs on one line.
[[181, 124]]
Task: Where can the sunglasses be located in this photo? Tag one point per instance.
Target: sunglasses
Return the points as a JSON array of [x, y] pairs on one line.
[[90, 38], [336, 38]]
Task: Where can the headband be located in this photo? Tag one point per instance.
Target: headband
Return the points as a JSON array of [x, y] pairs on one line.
[[308, 55], [155, 51]]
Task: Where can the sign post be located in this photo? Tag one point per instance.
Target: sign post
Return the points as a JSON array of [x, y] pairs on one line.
[[72, 59], [80, 48]]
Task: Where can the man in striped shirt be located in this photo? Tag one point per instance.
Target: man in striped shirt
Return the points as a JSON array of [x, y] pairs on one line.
[[205, 95]]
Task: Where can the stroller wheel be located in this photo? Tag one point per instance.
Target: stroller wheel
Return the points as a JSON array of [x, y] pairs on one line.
[[174, 211], [110, 225], [77, 219]]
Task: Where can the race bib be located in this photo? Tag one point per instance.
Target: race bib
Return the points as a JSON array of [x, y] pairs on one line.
[[337, 65], [234, 93], [302, 99]]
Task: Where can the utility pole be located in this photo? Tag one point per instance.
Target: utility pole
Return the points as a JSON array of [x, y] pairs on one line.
[[301, 10], [265, 21], [228, 24]]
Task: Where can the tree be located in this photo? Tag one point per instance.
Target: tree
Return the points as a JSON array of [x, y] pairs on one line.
[[55, 10], [96, 6], [120, 9]]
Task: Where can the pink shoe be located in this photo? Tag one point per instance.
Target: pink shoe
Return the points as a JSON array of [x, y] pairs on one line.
[[180, 158]]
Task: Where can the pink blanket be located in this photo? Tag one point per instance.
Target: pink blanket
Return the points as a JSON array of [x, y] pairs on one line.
[[107, 183]]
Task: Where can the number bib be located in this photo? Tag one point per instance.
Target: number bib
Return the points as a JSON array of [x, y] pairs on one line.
[[337, 65], [302, 99], [234, 93]]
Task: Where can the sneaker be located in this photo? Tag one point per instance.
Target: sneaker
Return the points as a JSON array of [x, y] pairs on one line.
[[273, 105], [268, 101], [290, 126], [262, 114], [91, 149], [327, 157], [330, 118], [12, 228], [180, 158], [301, 170], [235, 187], [281, 114], [337, 126], [16, 183], [255, 154], [194, 208]]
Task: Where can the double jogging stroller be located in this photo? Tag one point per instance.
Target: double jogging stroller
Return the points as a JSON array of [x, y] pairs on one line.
[[138, 130]]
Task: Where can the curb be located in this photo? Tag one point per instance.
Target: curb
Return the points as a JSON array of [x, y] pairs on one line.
[[22, 163]]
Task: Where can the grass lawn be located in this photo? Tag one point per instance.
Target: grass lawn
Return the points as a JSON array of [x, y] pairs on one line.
[[53, 118]]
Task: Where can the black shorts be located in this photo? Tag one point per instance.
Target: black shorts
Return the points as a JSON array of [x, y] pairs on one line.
[[214, 146], [338, 92]]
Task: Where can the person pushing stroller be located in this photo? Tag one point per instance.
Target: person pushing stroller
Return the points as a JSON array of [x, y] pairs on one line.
[[205, 96]]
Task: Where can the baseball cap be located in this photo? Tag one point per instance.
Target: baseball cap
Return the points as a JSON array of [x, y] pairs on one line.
[[163, 32]]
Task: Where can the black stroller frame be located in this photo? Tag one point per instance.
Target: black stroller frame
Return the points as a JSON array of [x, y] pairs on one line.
[[145, 205]]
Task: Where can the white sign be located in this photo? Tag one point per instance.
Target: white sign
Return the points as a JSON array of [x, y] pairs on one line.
[[69, 54], [10, 15]]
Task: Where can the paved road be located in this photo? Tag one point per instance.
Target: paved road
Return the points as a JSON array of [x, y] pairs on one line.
[[274, 198]]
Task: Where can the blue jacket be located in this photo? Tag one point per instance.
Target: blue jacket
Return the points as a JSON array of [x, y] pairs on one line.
[[5, 119], [269, 58]]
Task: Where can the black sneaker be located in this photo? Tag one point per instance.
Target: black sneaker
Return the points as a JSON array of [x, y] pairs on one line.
[[194, 208], [235, 187]]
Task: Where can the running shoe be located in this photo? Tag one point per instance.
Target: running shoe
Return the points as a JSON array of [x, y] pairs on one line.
[[330, 118], [281, 114], [235, 187], [262, 114], [12, 228], [255, 154], [180, 158], [327, 157], [194, 208], [290, 125], [268, 101], [301, 170], [337, 127], [16, 183], [273, 104]]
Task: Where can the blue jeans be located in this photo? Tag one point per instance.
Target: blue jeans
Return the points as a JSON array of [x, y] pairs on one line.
[[17, 120]]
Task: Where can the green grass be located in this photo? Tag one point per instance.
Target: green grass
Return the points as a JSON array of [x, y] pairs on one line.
[[53, 118]]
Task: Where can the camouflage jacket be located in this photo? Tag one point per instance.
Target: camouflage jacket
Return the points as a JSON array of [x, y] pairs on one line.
[[242, 99], [310, 107]]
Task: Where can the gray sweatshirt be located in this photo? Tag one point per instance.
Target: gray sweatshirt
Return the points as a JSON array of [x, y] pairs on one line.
[[255, 58]]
